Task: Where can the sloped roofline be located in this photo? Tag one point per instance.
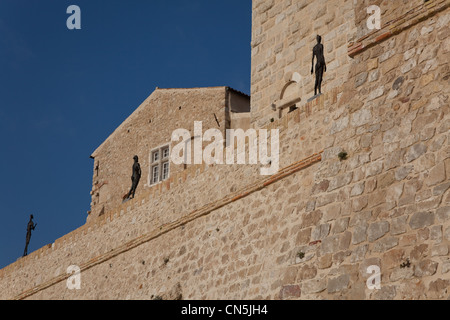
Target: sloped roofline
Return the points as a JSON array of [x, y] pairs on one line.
[[93, 155]]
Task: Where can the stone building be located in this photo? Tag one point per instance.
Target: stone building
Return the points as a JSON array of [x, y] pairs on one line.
[[363, 183], [147, 133]]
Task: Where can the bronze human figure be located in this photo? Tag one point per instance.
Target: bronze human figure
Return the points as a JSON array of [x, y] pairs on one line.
[[31, 226], [321, 66], [136, 176]]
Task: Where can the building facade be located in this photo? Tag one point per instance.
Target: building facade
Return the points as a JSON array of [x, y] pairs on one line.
[[360, 208]]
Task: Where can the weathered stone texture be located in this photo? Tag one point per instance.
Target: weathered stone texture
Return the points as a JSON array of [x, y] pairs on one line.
[[311, 233]]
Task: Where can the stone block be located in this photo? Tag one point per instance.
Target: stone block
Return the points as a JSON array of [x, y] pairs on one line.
[[403, 172], [436, 233], [393, 258], [377, 230], [359, 253], [421, 220], [386, 179], [441, 189], [340, 225], [445, 267], [439, 250], [377, 198], [429, 52], [311, 218], [374, 169], [426, 268], [358, 189], [303, 237], [372, 64], [320, 232], [340, 181], [398, 225], [361, 117], [325, 262], [314, 286], [290, 291], [386, 293], [443, 214], [358, 204], [338, 284], [391, 63], [415, 152], [408, 66], [360, 233], [447, 234], [339, 125], [361, 79], [419, 252], [437, 175], [394, 159], [306, 272], [394, 193], [385, 244], [401, 273], [376, 93], [330, 244]]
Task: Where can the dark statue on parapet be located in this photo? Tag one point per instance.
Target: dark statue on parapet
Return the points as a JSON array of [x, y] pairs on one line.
[[135, 177], [321, 66], [30, 227]]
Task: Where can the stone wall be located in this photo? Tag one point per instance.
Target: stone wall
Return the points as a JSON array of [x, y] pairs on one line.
[[185, 198], [312, 230], [284, 34]]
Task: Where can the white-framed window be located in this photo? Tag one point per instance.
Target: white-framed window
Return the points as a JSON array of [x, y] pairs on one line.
[[159, 164], [165, 153], [155, 174], [165, 171], [155, 156]]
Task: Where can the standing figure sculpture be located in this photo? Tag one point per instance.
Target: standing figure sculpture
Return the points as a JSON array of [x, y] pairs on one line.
[[31, 226], [136, 176], [321, 66]]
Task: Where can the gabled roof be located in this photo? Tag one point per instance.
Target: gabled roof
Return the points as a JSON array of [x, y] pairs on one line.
[[146, 102]]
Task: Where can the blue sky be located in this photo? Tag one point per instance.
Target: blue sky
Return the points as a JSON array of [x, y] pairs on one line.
[[62, 92]]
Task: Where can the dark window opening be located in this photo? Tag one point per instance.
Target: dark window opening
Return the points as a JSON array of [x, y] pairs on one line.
[[292, 108]]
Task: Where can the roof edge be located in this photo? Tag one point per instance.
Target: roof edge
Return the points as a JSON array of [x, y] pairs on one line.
[[93, 154]]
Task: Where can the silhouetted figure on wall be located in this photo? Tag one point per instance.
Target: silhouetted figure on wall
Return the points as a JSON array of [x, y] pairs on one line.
[[31, 226], [321, 66], [136, 176]]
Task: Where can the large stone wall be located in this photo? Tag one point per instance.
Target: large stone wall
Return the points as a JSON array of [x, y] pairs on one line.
[[309, 232], [182, 200]]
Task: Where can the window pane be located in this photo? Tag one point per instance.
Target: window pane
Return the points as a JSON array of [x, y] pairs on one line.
[[165, 172], [155, 156], [155, 174], [165, 153]]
